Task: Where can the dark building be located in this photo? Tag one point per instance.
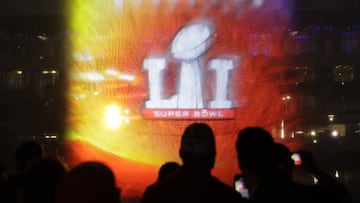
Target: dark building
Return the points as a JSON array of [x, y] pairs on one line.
[[31, 74], [324, 50]]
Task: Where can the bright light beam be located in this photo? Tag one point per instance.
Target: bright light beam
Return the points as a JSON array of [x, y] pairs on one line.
[[112, 116]]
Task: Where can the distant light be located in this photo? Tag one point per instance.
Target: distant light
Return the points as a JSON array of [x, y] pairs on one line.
[[335, 133], [112, 116], [331, 117], [96, 93], [314, 141], [42, 37], [19, 72], [50, 136], [286, 97], [95, 77], [47, 72], [126, 111], [315, 180], [293, 33], [127, 77], [282, 130], [111, 72], [337, 174], [79, 96], [127, 120], [328, 27], [85, 56], [313, 133]]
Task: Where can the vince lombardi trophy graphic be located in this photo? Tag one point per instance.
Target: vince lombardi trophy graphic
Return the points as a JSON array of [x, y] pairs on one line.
[[188, 45]]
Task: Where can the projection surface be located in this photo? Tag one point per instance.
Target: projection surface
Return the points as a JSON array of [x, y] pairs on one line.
[[141, 71]]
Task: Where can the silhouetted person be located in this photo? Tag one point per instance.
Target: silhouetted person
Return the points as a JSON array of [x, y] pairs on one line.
[[267, 168], [42, 180], [88, 182], [326, 183], [26, 154], [255, 156], [193, 181], [283, 160], [309, 165], [167, 169]]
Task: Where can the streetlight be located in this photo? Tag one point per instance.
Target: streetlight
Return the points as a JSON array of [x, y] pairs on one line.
[[286, 99], [282, 130], [331, 118]]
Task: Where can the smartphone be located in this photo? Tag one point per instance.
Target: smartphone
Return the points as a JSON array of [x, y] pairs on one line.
[[296, 158], [240, 186]]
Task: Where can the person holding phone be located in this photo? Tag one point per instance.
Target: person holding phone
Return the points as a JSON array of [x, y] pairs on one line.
[[306, 162], [240, 186], [287, 161], [267, 168]]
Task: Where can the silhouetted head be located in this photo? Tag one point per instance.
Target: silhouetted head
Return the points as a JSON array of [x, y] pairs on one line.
[[254, 147], [90, 182], [26, 153], [167, 169], [42, 179], [282, 157], [198, 146]]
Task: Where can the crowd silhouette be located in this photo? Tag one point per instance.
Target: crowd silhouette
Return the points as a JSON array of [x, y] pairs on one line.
[[266, 167]]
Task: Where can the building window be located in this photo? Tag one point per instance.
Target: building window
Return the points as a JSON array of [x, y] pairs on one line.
[[15, 80], [343, 73], [303, 74], [49, 77]]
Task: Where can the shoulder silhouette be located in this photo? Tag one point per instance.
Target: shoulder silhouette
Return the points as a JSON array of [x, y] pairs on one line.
[[193, 181], [90, 182]]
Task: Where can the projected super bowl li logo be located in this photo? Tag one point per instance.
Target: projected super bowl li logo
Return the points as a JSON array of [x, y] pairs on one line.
[[189, 44]]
